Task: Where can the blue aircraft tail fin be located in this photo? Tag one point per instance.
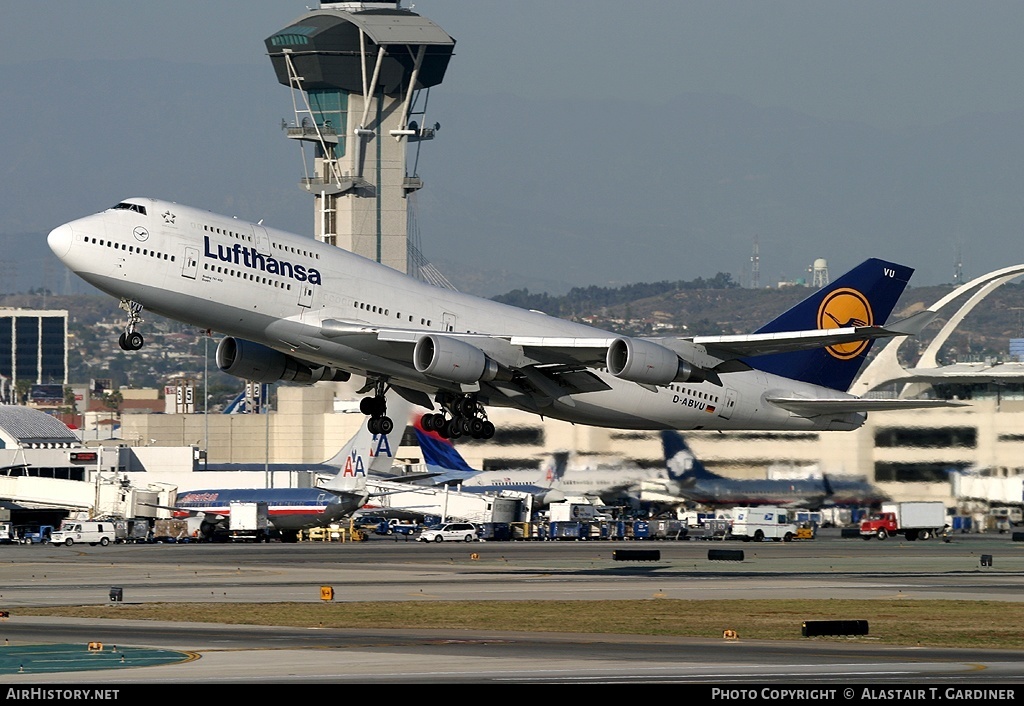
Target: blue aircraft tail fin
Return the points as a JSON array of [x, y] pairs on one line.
[[864, 296], [680, 461], [441, 454], [558, 463], [829, 491]]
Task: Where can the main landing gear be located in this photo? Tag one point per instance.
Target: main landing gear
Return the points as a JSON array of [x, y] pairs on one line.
[[131, 340], [376, 408], [468, 418]]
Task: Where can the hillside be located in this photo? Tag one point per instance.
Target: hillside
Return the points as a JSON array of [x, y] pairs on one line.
[[178, 350]]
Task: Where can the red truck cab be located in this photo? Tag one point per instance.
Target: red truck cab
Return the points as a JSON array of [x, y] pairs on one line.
[[881, 525]]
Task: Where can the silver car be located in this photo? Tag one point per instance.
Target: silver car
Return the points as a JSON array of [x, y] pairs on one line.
[[452, 532]]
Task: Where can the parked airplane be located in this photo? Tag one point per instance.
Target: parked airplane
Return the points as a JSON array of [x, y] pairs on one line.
[[291, 510], [446, 466], [695, 483], [552, 480], [298, 310]]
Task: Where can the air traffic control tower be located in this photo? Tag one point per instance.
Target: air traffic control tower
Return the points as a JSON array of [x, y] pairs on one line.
[[360, 73]]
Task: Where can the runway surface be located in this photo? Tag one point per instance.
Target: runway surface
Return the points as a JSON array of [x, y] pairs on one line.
[[389, 570]]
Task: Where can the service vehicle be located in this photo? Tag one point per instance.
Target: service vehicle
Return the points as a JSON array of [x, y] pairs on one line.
[[764, 522], [35, 534], [6, 533], [1005, 518], [914, 520], [248, 521], [367, 522], [84, 531], [451, 532], [396, 526]]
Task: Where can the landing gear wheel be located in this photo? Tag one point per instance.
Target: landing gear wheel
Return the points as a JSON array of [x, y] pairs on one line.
[[373, 406], [380, 425], [135, 341], [122, 340], [488, 431], [476, 427], [432, 422]]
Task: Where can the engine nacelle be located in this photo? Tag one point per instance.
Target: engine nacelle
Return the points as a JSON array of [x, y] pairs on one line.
[[638, 360], [451, 359], [256, 362]]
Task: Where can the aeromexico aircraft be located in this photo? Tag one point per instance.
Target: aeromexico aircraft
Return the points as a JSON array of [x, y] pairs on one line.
[[294, 309], [691, 481]]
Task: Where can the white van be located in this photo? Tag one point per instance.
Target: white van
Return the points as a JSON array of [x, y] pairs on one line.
[[764, 522], [81, 531]]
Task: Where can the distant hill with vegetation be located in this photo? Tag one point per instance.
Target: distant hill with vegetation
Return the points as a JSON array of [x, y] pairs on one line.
[[698, 307]]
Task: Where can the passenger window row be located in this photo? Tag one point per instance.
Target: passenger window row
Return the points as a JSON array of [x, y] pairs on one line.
[[225, 231], [259, 279], [297, 251], [386, 312], [130, 248]]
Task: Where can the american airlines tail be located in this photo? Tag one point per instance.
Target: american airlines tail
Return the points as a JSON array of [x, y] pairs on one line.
[[367, 453], [864, 296]]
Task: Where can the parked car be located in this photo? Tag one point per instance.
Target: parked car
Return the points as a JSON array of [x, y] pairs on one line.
[[451, 532], [368, 522]]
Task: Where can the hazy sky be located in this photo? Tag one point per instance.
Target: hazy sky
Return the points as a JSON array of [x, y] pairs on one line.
[[886, 64], [881, 62]]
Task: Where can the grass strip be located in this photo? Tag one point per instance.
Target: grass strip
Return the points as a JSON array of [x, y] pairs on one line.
[[935, 623]]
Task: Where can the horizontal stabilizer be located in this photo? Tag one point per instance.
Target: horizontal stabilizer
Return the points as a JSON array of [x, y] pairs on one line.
[[812, 407]]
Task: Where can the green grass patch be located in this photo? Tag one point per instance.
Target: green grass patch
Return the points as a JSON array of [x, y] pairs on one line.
[[990, 624]]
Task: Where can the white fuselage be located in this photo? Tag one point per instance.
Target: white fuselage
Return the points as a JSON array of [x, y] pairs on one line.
[[606, 482], [278, 289]]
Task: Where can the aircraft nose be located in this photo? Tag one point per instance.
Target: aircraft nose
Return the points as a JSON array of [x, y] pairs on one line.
[[60, 239]]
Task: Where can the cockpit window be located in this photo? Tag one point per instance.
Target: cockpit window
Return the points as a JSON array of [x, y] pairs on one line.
[[125, 206]]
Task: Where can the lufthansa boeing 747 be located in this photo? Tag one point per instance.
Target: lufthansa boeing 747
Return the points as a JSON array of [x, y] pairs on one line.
[[295, 309]]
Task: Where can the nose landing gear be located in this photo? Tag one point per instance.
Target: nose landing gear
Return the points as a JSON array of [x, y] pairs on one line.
[[131, 339]]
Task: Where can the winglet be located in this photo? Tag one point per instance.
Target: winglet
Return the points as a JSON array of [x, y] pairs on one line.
[[914, 324]]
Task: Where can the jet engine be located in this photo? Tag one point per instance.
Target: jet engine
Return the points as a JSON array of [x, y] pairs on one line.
[[641, 361], [451, 359], [256, 362]]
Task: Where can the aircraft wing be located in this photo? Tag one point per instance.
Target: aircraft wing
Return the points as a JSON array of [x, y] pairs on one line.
[[809, 407], [745, 345], [574, 353]]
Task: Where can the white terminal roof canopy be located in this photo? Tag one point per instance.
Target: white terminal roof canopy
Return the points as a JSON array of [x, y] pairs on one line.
[[24, 425]]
